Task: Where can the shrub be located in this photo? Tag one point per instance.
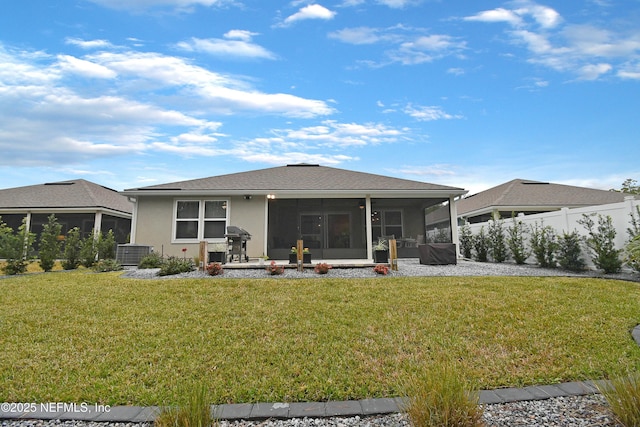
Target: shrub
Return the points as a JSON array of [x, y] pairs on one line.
[[634, 230], [105, 265], [381, 269], [481, 245], [632, 253], [496, 237], [175, 265], [322, 268], [89, 250], [196, 412], [49, 248], [214, 269], [15, 247], [440, 397], [516, 236], [569, 252], [544, 245], [466, 241], [600, 242], [106, 246], [275, 270], [72, 244], [153, 260], [623, 397]]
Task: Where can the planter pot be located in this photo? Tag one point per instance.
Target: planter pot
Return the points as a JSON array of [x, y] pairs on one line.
[[217, 257], [306, 258], [381, 256]]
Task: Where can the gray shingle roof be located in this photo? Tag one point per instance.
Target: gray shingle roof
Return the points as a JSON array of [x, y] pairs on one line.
[[532, 194], [79, 194], [302, 177]]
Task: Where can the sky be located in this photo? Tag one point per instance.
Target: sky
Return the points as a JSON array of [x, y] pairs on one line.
[[471, 94]]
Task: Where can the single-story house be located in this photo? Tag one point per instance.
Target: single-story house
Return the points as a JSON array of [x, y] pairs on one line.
[[75, 203], [530, 197], [338, 213]]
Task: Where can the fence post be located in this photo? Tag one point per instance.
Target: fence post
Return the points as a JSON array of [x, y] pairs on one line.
[[300, 254], [203, 255], [393, 254]]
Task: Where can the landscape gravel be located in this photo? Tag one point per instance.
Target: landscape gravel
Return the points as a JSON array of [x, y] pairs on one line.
[[575, 411]]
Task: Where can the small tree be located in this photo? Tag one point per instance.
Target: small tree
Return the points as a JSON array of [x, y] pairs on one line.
[[634, 230], [15, 247], [570, 252], [544, 244], [516, 236], [481, 245], [72, 245], [106, 246], [497, 246], [601, 242], [466, 241], [50, 246], [89, 250]]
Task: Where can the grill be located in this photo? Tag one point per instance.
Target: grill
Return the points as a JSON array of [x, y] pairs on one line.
[[237, 242]]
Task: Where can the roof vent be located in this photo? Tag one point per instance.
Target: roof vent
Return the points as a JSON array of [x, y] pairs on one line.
[[302, 165], [60, 183], [534, 183]]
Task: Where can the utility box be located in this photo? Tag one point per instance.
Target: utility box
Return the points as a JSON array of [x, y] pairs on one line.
[[130, 254]]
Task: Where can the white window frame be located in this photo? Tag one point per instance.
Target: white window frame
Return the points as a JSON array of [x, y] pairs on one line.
[[201, 220]]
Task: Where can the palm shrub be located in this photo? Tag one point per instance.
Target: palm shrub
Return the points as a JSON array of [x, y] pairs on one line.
[[623, 396], [440, 397], [497, 246], [49, 248], [72, 245], [195, 412], [466, 241], [632, 253], [16, 247], [544, 244], [481, 245], [601, 243], [570, 252], [516, 241]]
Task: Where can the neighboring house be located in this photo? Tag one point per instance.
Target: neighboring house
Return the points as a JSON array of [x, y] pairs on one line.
[[338, 213], [530, 197], [75, 203]]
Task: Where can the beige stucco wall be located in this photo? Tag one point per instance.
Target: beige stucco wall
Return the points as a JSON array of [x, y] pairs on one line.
[[154, 223]]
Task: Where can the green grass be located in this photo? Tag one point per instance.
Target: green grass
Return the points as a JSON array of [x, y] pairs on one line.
[[87, 337]]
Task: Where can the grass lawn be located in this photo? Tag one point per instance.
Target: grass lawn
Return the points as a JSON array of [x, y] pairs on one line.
[[87, 337]]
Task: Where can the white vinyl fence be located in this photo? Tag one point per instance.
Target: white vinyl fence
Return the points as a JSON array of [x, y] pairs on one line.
[[566, 220]]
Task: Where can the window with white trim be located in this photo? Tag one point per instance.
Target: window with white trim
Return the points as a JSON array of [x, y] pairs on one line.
[[200, 219]]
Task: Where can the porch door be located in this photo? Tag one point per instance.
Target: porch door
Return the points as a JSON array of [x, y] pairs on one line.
[[324, 231]]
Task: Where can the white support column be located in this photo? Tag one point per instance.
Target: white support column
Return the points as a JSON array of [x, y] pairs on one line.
[[134, 220], [367, 214], [453, 218], [266, 226], [97, 224]]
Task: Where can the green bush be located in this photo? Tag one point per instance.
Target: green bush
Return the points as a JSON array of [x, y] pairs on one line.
[[106, 245], [516, 237], [15, 247], [481, 246], [440, 397], [175, 265], [466, 241], [544, 245], [632, 253], [153, 260], [623, 397], [89, 250], [497, 246], [570, 252], [49, 248], [72, 245], [105, 265], [601, 243]]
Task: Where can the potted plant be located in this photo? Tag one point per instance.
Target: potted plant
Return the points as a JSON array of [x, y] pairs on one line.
[[381, 251], [217, 252], [293, 256]]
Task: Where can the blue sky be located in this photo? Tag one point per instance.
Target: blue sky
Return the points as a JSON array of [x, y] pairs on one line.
[[128, 93]]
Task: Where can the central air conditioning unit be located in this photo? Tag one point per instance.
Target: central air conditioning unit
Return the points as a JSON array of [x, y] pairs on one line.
[[130, 254]]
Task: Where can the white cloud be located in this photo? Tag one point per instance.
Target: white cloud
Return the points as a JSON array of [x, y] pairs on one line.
[[630, 71], [334, 134], [429, 113], [88, 44], [359, 35], [312, 11], [228, 48], [593, 71], [89, 69], [496, 15], [139, 5]]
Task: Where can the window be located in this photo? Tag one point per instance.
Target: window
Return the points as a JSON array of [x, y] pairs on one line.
[[200, 219], [386, 223]]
